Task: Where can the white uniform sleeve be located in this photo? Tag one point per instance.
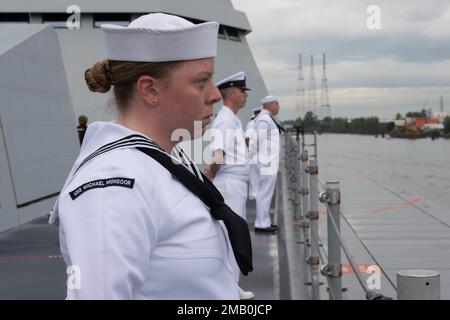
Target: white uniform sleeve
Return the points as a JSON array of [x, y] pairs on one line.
[[109, 234], [220, 138], [252, 141], [249, 129], [263, 124], [263, 145]]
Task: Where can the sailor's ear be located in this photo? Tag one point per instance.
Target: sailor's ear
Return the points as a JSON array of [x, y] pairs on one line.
[[146, 88]]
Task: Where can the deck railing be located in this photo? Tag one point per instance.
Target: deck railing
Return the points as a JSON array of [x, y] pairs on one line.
[[305, 192]]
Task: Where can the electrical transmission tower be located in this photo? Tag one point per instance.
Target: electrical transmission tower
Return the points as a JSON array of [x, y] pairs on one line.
[[312, 98], [325, 109], [441, 104], [300, 100]]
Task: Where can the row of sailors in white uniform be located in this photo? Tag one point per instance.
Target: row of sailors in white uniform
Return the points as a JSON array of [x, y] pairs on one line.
[[246, 170]]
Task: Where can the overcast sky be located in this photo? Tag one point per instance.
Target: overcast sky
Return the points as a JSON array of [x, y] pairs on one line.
[[400, 67]]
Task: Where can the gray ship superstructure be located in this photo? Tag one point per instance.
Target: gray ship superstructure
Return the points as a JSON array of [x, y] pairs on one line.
[[42, 87], [38, 140], [81, 48]]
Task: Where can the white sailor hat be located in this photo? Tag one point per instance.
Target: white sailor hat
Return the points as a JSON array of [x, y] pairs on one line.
[[268, 99], [158, 37], [236, 80]]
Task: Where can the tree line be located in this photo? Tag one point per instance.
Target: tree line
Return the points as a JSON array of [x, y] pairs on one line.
[[362, 125]]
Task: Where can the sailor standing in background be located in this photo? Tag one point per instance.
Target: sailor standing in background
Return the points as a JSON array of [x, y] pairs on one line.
[[229, 168], [268, 133], [250, 140], [82, 126], [130, 227]]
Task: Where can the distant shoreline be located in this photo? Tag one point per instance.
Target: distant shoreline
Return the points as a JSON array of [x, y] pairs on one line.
[[389, 136]]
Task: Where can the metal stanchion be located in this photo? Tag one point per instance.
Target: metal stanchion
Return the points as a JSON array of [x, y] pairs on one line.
[[313, 215], [300, 213], [305, 194], [294, 178], [315, 145], [297, 213], [289, 166], [334, 268]]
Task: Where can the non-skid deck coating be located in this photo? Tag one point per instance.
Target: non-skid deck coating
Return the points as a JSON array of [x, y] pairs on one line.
[[30, 263]]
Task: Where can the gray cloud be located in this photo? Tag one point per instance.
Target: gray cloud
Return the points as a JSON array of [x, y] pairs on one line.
[[409, 55], [404, 47]]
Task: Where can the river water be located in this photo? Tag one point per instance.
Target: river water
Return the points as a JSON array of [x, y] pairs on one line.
[[420, 166]]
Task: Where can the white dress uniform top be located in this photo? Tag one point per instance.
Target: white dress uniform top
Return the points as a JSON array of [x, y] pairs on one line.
[[250, 133], [232, 176], [128, 228], [268, 163], [227, 134], [150, 239]]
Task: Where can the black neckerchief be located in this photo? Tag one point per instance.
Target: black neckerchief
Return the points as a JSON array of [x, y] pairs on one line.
[[280, 128], [236, 226]]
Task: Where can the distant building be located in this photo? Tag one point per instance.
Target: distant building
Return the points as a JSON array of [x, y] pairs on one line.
[[400, 123], [421, 122], [440, 116], [433, 126]]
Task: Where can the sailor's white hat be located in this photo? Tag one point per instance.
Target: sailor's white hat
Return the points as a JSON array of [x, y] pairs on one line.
[[268, 99], [236, 80], [158, 37]]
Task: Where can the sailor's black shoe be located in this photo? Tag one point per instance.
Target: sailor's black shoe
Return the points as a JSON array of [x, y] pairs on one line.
[[268, 229]]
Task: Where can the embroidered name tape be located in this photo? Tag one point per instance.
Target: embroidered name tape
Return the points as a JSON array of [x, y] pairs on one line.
[[102, 183]]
